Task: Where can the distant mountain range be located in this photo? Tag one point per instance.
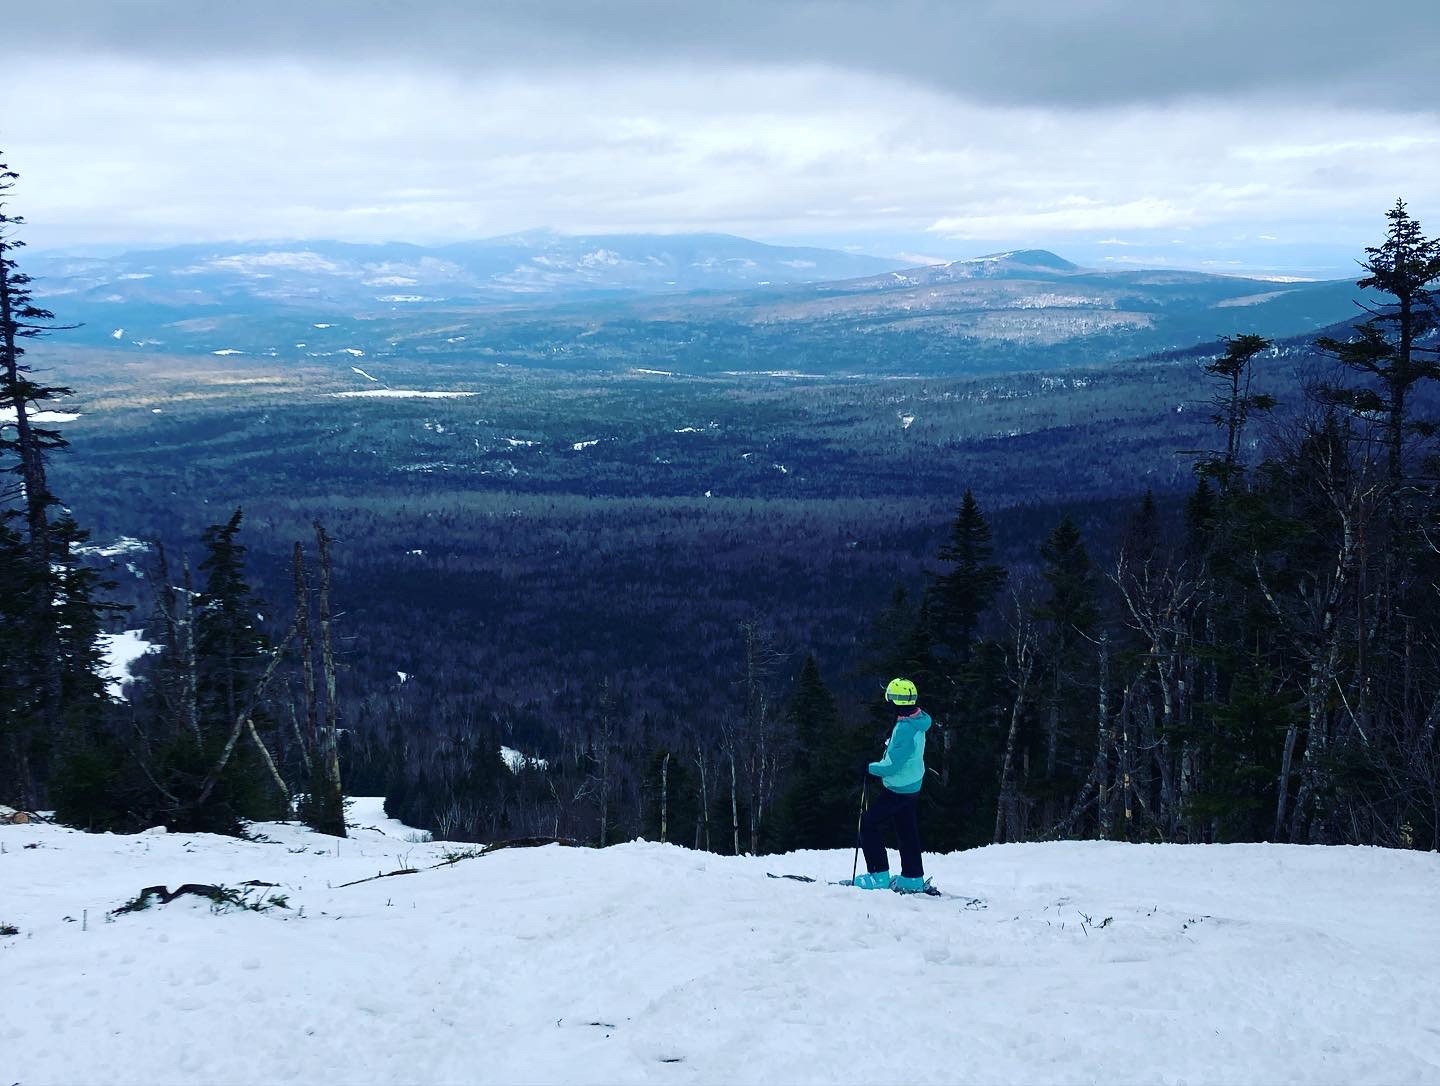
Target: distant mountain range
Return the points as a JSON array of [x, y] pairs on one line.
[[538, 264], [695, 302]]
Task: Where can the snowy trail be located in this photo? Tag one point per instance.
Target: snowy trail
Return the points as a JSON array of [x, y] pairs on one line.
[[652, 964]]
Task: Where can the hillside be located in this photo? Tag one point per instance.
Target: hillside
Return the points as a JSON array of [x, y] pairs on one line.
[[645, 963], [691, 303]]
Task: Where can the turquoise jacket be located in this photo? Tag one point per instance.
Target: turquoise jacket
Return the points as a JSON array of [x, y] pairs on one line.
[[903, 767]]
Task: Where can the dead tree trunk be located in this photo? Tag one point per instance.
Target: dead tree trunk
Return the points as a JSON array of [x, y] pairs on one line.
[[242, 720], [1006, 812], [307, 653], [734, 805], [1102, 749], [702, 832], [330, 810], [665, 798]]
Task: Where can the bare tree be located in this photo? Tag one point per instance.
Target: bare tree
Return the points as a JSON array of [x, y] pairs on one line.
[[665, 798], [1318, 608], [1160, 597], [601, 747], [752, 745], [1023, 642], [702, 818]]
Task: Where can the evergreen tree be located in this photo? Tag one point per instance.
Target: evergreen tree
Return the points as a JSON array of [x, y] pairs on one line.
[[967, 741], [964, 694], [18, 736], [193, 757], [1235, 796], [820, 804], [54, 613], [1387, 349], [1070, 613], [880, 654], [1071, 603], [1234, 403], [1202, 511], [964, 593], [229, 646], [1142, 536]]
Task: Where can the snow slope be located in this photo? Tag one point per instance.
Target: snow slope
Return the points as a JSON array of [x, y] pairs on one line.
[[646, 963]]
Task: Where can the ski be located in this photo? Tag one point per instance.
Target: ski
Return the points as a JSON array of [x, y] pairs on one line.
[[931, 890]]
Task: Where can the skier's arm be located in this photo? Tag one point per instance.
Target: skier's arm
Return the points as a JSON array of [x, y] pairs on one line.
[[897, 751]]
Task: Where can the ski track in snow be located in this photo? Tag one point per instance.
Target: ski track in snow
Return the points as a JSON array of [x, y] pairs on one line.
[[1236, 964]]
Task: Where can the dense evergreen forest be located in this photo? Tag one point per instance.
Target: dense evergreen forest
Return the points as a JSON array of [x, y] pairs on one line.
[[1227, 632]]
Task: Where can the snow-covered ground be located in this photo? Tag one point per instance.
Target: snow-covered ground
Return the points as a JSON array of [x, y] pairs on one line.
[[9, 415], [120, 652], [644, 963]]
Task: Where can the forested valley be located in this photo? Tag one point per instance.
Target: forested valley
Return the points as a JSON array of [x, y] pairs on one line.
[[1191, 597]]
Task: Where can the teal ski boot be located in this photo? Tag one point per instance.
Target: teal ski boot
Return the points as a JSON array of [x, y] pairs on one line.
[[874, 880]]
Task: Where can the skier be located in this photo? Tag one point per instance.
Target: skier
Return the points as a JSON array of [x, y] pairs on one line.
[[901, 771]]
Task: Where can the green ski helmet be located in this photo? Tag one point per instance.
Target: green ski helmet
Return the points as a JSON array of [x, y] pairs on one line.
[[901, 692]]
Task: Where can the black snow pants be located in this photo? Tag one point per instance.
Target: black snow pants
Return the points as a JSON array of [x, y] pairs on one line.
[[885, 808]]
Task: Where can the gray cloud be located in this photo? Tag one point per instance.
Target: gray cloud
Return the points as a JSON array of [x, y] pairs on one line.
[[1060, 53], [1215, 132]]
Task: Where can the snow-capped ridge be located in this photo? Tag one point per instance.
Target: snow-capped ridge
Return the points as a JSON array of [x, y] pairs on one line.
[[1016, 260]]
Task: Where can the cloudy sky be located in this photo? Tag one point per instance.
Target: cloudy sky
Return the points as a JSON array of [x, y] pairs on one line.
[[1233, 135]]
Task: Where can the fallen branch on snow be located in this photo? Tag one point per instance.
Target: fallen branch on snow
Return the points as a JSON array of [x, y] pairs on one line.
[[456, 857]]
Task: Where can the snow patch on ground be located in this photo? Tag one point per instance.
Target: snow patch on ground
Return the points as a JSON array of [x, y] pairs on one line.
[[585, 444], [8, 414], [124, 545], [400, 394], [120, 652], [516, 761], [1251, 299], [1062, 962]]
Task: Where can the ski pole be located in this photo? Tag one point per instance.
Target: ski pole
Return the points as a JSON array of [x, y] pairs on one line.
[[864, 789]]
